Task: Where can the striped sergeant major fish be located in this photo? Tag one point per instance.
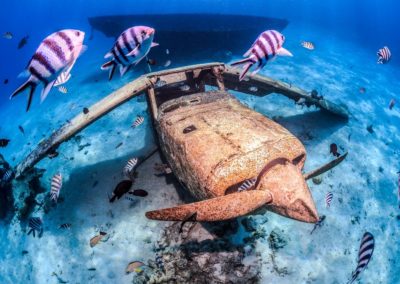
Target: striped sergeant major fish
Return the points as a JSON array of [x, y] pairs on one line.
[[56, 184], [65, 226], [138, 121], [328, 199], [267, 46], [62, 79], [56, 55], [307, 45], [130, 166], [364, 255], [129, 48], [36, 224], [247, 184], [384, 55]]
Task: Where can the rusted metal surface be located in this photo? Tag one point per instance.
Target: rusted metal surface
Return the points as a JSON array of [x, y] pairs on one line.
[[325, 167], [215, 209], [230, 144], [266, 85], [196, 76]]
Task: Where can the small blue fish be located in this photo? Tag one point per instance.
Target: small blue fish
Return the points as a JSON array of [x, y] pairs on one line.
[[319, 223]]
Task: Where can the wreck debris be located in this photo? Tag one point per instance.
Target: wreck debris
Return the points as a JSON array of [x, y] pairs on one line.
[[277, 240], [199, 255], [317, 180], [162, 169], [325, 167], [221, 157], [201, 72]]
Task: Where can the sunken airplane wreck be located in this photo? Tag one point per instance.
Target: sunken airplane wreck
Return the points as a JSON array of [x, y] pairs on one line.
[[213, 143]]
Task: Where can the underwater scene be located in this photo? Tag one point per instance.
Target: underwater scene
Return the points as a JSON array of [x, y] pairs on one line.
[[200, 141]]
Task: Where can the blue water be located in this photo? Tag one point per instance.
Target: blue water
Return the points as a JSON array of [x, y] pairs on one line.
[[346, 34]]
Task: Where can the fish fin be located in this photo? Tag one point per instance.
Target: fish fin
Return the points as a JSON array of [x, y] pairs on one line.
[[243, 61], [111, 72], [30, 96], [258, 69], [134, 52], [112, 198], [109, 54], [84, 48], [77, 51], [111, 65], [215, 209], [123, 69], [46, 91], [60, 80], [284, 52], [40, 233], [108, 65], [154, 44], [24, 74], [26, 85], [244, 71]]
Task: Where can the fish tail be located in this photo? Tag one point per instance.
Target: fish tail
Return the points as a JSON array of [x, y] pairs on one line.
[[245, 70], [112, 198], [27, 85], [243, 61], [353, 278], [111, 65], [248, 63]]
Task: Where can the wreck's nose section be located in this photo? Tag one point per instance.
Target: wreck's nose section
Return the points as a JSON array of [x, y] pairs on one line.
[[291, 196]]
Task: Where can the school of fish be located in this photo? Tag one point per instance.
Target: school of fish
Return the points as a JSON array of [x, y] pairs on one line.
[[51, 65]]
